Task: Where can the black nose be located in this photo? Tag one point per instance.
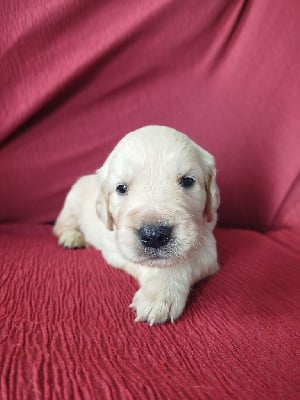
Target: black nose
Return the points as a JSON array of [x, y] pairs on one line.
[[155, 236]]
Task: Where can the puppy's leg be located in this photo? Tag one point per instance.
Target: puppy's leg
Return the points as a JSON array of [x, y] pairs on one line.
[[163, 294], [67, 231], [164, 291], [66, 227], [71, 238]]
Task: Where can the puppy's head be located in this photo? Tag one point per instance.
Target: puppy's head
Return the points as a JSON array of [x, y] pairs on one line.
[[158, 192]]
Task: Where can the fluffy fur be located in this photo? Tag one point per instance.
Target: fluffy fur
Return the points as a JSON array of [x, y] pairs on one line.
[[152, 162]]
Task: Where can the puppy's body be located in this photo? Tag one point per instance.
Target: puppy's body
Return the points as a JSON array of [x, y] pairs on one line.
[[151, 210]]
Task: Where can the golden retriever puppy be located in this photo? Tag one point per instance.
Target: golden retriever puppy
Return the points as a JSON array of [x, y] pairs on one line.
[[151, 210]]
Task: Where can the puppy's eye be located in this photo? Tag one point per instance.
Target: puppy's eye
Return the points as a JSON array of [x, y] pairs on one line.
[[122, 188], [186, 182]]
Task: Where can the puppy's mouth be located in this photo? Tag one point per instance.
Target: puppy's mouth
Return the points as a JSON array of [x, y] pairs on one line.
[[164, 253], [165, 256], [157, 245]]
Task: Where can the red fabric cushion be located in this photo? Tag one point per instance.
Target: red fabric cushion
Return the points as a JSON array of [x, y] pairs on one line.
[[67, 331], [76, 76]]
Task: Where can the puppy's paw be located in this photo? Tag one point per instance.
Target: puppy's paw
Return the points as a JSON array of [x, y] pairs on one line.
[[72, 239], [155, 307]]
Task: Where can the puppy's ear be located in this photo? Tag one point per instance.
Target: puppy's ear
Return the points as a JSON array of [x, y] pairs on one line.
[[212, 191], [102, 202]]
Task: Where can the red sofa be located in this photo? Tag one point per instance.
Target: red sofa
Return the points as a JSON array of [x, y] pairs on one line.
[[74, 78]]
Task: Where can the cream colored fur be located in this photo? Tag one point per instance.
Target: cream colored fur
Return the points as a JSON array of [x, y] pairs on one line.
[[150, 161]]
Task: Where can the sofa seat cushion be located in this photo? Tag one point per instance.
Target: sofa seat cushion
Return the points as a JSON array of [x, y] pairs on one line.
[[66, 330]]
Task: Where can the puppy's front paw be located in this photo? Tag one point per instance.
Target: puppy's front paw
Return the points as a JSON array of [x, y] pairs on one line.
[[72, 239], [155, 307]]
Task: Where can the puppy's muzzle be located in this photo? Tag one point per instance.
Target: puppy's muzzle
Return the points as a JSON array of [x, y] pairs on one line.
[[155, 236]]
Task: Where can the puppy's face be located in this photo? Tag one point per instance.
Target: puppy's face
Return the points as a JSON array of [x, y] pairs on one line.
[[158, 192]]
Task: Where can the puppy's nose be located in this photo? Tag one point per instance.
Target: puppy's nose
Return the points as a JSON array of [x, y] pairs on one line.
[[155, 235]]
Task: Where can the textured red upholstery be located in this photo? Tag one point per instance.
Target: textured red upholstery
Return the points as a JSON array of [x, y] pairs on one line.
[[74, 77], [67, 331]]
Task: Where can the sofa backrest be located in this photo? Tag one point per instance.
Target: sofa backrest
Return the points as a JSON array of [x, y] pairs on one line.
[[76, 76]]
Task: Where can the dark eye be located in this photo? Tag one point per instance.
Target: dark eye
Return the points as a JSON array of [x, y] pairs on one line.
[[186, 182], [122, 188]]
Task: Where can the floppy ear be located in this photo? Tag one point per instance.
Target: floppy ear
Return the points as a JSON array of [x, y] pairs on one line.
[[212, 191], [102, 202]]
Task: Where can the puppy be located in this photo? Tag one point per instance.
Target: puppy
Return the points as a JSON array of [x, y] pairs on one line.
[[150, 209]]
